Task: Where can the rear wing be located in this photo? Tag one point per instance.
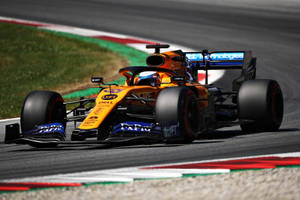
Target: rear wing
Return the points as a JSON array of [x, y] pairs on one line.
[[224, 60], [219, 59]]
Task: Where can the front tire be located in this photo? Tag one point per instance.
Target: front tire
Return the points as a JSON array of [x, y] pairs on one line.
[[42, 107], [260, 104], [177, 112]]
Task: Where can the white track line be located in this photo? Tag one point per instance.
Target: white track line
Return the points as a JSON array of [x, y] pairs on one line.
[[81, 31], [292, 154], [10, 119], [118, 175], [136, 173]]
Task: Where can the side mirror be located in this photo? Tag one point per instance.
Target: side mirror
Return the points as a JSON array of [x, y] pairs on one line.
[[97, 80]]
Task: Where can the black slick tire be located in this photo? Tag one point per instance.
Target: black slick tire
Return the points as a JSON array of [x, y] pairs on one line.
[[260, 105], [42, 107], [178, 106]]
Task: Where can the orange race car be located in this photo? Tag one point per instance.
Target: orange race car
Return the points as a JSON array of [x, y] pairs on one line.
[[161, 102]]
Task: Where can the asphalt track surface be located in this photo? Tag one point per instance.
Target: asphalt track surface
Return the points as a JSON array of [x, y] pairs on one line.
[[271, 31]]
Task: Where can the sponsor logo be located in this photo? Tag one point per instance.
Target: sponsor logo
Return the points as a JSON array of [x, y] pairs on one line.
[[109, 96], [218, 56], [48, 129], [105, 103], [136, 127], [90, 120], [93, 117], [98, 110], [87, 123]]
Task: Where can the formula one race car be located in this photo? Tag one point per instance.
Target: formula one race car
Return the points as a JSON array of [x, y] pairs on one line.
[[160, 102]]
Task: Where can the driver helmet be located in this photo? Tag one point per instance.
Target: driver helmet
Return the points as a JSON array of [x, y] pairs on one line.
[[148, 78]]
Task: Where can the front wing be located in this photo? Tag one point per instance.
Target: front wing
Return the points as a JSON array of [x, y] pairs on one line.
[[51, 135]]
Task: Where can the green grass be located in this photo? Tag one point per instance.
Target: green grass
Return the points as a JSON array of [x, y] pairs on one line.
[[32, 59]]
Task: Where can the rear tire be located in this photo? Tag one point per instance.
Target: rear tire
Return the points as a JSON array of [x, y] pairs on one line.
[[177, 107], [260, 104], [42, 107]]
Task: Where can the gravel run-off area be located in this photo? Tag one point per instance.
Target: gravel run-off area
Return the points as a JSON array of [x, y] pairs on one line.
[[280, 183]]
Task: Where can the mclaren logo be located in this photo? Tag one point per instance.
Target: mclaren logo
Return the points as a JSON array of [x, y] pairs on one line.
[[109, 96]]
